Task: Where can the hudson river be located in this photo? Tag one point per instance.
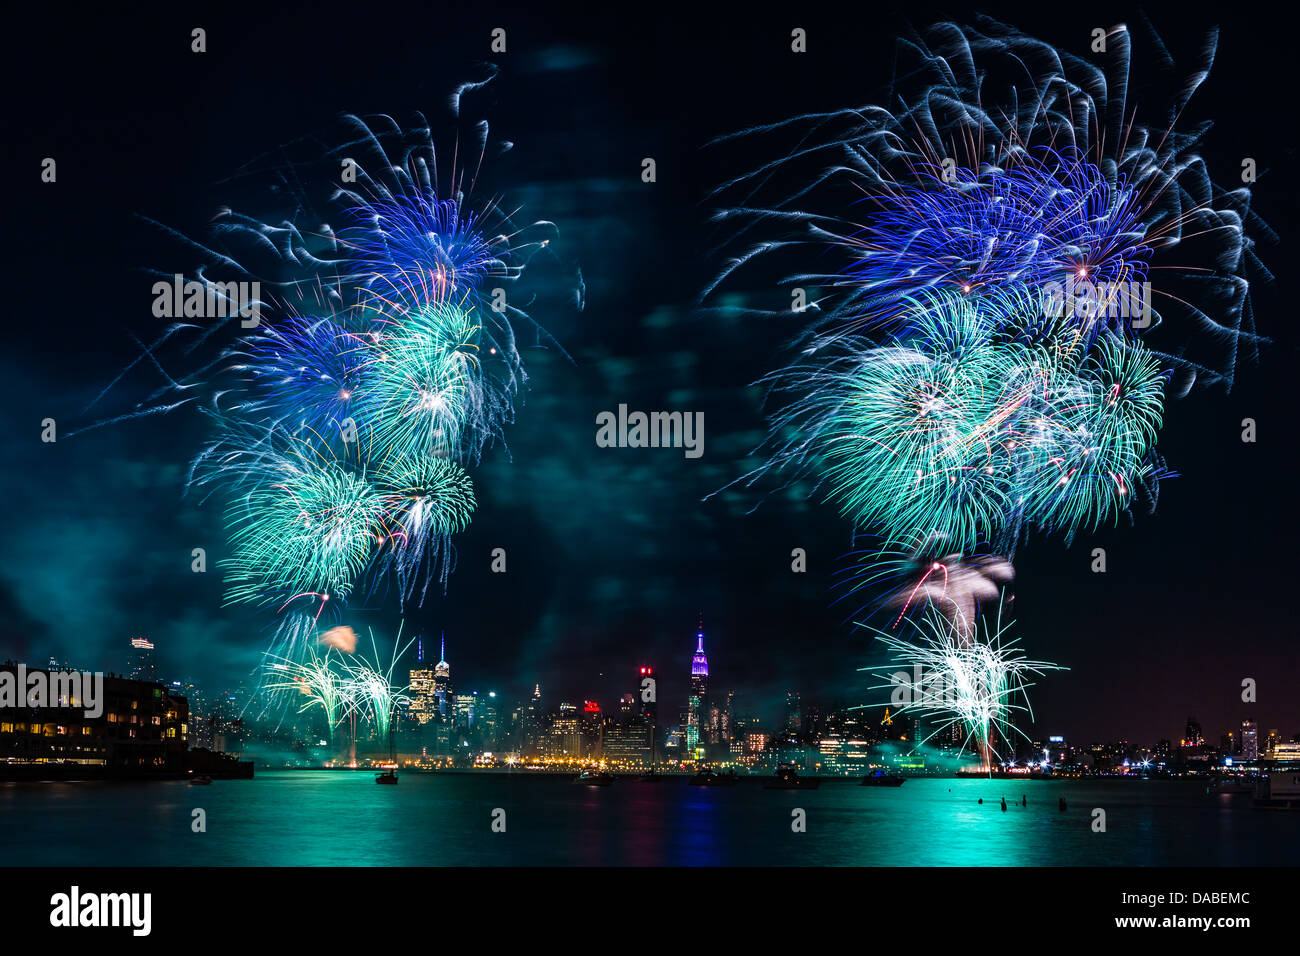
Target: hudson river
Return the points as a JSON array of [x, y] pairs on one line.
[[338, 818]]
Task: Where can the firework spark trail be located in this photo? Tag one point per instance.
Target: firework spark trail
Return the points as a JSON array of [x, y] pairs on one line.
[[426, 501], [318, 679], [974, 680], [371, 685], [968, 429], [308, 527], [1004, 160]]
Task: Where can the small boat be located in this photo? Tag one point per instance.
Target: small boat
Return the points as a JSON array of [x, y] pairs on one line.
[[708, 778], [1231, 785], [200, 780], [1278, 791], [651, 776], [389, 776], [787, 778], [595, 778], [879, 778]]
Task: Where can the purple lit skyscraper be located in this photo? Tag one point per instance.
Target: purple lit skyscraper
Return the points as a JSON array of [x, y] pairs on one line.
[[697, 702]]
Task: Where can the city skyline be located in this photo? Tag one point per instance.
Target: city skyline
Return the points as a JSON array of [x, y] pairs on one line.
[[141, 663]]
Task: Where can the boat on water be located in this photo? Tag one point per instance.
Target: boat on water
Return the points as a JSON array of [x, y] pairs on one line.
[[1278, 791], [651, 776], [595, 778], [389, 776], [878, 778], [1232, 784], [200, 780], [710, 778], [787, 778]]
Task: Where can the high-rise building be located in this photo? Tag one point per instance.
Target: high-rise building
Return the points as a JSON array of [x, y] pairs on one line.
[[565, 738], [466, 710], [140, 660], [489, 720], [593, 725], [649, 701], [532, 730], [1249, 740], [1193, 736], [627, 741], [793, 712], [423, 693], [697, 702], [442, 684]]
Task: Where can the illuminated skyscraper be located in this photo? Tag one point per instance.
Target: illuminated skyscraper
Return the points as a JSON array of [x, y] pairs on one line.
[[466, 710], [697, 703], [424, 699], [794, 712], [1249, 740], [489, 721], [565, 739], [648, 692], [140, 661], [442, 684]]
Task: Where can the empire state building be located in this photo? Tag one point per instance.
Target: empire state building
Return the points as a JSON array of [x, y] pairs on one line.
[[697, 704]]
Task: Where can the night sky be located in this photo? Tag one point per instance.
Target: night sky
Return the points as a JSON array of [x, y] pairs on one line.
[[612, 553]]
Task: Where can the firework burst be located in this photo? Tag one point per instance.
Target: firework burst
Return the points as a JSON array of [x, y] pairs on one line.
[[1004, 160], [974, 681]]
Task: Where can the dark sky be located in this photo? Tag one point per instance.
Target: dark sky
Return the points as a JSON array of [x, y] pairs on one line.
[[612, 552]]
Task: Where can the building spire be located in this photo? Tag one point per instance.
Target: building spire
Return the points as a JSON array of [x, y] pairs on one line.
[[700, 663], [442, 653]]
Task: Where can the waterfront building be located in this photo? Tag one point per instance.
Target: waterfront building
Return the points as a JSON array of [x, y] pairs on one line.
[[143, 727]]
